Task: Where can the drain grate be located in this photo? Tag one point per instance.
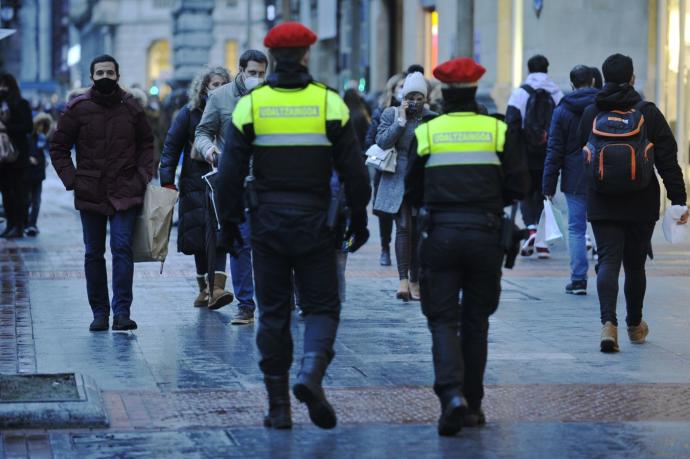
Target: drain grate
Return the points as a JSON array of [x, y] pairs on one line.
[[39, 388]]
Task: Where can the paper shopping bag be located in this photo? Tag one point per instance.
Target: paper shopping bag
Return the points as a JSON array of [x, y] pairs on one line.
[[153, 225]]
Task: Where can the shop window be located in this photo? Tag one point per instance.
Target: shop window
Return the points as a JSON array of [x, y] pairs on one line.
[[159, 68], [430, 41], [231, 56]]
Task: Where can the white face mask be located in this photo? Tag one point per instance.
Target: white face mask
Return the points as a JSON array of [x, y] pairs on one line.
[[252, 82]]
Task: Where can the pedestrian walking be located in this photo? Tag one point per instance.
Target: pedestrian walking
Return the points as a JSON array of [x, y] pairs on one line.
[[391, 97], [114, 148], [210, 142], [564, 156], [625, 139], [396, 129], [191, 228], [359, 115], [36, 172], [16, 123], [530, 108], [294, 132], [469, 166]]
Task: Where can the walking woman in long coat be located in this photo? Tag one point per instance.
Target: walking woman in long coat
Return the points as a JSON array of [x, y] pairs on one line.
[[191, 228]]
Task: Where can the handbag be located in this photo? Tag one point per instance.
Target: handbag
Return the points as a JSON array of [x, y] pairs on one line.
[[153, 225], [382, 160], [8, 152]]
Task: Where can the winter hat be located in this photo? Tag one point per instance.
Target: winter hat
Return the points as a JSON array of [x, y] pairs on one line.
[[414, 82]]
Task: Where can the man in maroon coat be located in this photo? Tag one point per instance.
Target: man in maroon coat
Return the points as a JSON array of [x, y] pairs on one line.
[[114, 146]]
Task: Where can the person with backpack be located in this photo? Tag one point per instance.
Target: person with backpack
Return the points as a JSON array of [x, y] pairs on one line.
[[624, 139], [529, 111], [564, 155]]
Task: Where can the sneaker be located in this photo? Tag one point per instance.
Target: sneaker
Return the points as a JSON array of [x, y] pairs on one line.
[[577, 288], [638, 334], [31, 231], [543, 253], [244, 316], [123, 323], [609, 338], [99, 324], [528, 247]]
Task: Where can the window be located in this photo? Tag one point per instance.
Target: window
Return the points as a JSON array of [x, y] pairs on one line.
[[159, 67], [430, 41], [231, 56]]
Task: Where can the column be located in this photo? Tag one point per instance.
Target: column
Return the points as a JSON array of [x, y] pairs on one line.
[[192, 38]]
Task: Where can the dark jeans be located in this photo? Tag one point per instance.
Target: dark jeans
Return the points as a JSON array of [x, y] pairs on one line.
[[241, 271], [121, 231], [532, 206], [406, 253], [201, 262], [284, 240], [455, 259], [626, 243], [14, 196], [35, 190]]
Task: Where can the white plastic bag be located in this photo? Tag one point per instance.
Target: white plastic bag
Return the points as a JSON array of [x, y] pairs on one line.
[[551, 226], [673, 232]]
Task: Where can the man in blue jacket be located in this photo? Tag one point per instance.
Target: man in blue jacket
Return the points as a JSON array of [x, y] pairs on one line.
[[564, 155]]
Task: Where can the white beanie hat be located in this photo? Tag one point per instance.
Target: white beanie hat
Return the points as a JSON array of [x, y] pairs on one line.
[[414, 82]]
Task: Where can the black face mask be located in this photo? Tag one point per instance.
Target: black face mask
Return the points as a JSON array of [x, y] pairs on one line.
[[414, 106], [105, 85]]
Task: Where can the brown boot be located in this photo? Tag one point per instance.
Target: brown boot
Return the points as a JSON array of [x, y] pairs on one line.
[[414, 291], [202, 298], [403, 292], [609, 338], [639, 333], [219, 297]]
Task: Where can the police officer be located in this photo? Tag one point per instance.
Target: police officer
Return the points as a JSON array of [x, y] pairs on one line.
[[294, 132], [467, 169]]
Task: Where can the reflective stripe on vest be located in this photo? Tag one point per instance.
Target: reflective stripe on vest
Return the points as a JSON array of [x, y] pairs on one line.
[[290, 117], [463, 139]]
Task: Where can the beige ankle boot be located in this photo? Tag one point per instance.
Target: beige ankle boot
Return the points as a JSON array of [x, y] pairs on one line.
[[219, 297], [609, 338], [414, 291], [638, 334], [202, 298], [403, 292]]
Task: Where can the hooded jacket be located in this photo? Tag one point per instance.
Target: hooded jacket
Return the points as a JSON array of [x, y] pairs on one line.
[[517, 104], [643, 205], [563, 152]]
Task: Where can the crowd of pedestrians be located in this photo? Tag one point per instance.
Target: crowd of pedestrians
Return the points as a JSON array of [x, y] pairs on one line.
[[287, 159]]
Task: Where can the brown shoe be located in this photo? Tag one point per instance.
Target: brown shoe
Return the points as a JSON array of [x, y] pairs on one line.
[[202, 298], [609, 338], [403, 292], [414, 291], [219, 297], [639, 333]]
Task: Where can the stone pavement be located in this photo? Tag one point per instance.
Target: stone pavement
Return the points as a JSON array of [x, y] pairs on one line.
[[187, 384]]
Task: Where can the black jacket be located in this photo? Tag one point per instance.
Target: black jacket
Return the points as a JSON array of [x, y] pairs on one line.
[[564, 152], [304, 170], [19, 127], [192, 224], [639, 206], [475, 188]]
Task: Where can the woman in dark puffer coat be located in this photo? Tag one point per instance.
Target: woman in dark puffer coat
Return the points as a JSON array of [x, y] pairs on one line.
[[191, 229]]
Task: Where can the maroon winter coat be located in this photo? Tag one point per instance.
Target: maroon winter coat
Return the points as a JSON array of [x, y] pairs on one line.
[[114, 147]]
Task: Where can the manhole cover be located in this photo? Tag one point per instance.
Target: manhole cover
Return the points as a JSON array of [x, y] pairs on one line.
[[39, 388]]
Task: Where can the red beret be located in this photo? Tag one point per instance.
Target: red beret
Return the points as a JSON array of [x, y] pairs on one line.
[[289, 35], [461, 71]]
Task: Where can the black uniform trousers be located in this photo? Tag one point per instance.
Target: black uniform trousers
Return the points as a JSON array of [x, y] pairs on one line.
[[287, 239], [453, 259]]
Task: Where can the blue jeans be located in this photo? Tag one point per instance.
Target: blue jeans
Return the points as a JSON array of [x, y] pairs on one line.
[[577, 228], [121, 232], [241, 271]]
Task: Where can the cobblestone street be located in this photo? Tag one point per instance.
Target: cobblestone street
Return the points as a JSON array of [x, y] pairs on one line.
[[187, 383]]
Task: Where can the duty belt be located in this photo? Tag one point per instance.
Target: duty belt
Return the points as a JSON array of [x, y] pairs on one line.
[[293, 198], [466, 219]]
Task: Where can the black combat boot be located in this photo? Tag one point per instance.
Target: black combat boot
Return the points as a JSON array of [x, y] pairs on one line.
[[99, 323], [308, 390], [278, 388], [453, 411]]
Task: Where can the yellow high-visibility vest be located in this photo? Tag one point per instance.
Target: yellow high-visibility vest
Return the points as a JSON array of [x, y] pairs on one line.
[[290, 117], [461, 139]]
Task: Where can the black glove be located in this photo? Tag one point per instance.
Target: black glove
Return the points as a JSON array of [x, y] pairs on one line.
[[229, 237], [357, 233]]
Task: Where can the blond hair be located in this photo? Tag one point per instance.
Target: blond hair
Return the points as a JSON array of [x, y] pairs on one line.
[[199, 87]]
